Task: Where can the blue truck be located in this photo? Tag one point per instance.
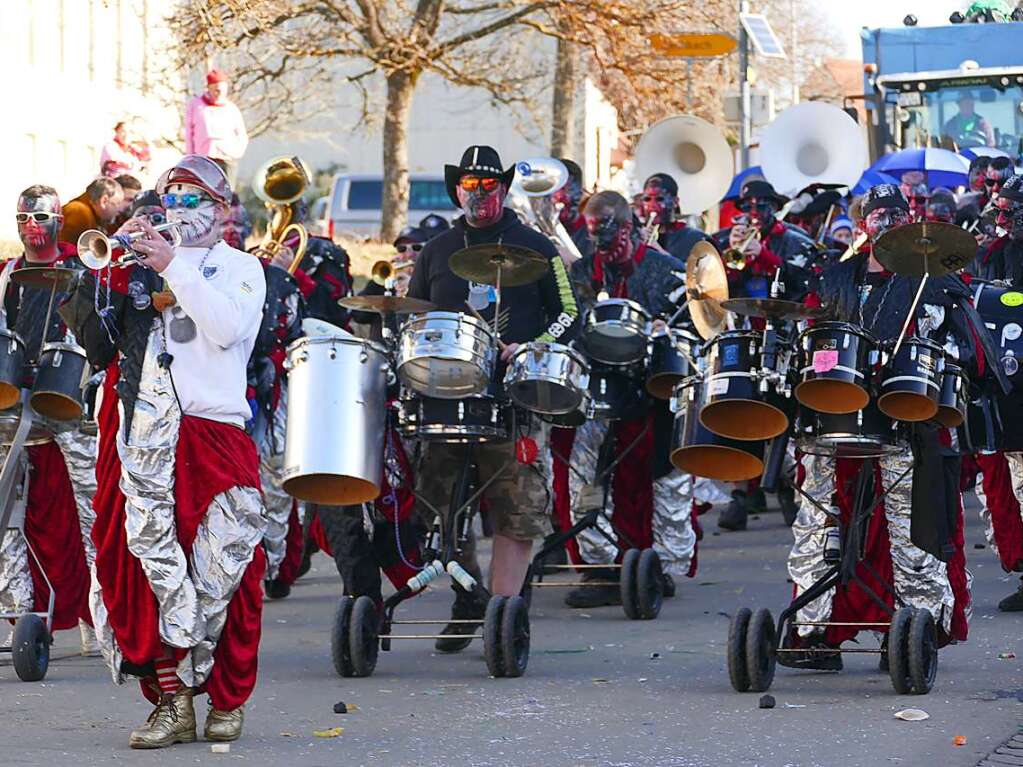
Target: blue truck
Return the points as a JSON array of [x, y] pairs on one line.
[[954, 86]]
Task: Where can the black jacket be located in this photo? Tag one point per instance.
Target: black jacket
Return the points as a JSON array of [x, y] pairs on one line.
[[544, 310]]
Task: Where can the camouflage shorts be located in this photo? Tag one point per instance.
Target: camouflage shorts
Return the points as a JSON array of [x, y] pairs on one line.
[[518, 500]]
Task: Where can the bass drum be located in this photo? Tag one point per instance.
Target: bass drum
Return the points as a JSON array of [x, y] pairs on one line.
[[337, 397], [698, 451]]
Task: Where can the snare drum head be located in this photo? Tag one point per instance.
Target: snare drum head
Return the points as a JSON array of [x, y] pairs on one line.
[[331, 489], [9, 395], [59, 407], [907, 406], [744, 419]]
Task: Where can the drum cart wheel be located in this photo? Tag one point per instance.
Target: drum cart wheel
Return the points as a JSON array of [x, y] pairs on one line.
[[761, 650], [898, 651], [738, 630], [923, 651], [339, 631], [363, 636], [641, 578], [506, 636], [30, 648]]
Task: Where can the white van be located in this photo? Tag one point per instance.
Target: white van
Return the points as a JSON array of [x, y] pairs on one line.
[[355, 201]]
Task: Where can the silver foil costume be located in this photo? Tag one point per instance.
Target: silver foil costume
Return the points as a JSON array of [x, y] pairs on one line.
[[674, 537], [79, 451], [16, 590], [278, 503], [192, 596], [920, 580]]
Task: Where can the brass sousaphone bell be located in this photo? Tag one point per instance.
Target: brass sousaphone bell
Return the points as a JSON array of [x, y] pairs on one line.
[[279, 182]]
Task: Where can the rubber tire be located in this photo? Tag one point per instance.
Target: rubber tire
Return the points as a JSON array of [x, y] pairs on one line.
[[339, 647], [363, 636], [761, 646], [649, 585], [738, 673], [493, 650], [923, 651], [515, 636], [30, 648], [898, 651], [627, 584]]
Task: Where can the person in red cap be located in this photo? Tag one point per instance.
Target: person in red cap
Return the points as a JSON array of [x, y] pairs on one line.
[[214, 126], [177, 592]]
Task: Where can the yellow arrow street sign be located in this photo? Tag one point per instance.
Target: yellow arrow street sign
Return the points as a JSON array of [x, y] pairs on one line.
[[693, 45]]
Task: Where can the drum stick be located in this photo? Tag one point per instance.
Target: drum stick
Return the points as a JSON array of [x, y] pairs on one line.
[[500, 344]]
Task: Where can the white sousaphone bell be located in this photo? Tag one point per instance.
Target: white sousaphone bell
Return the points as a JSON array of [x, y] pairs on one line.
[[812, 143], [694, 153]]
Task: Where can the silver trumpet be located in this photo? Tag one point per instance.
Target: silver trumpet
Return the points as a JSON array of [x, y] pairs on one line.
[[96, 249]]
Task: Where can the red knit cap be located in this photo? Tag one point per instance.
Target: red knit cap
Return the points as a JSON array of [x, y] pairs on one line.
[[216, 76]]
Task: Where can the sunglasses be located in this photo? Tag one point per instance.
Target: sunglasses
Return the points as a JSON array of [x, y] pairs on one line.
[[474, 183], [656, 198], [412, 248], [189, 200], [40, 217], [746, 207]]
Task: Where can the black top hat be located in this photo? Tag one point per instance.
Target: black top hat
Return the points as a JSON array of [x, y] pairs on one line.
[[480, 161], [762, 190]]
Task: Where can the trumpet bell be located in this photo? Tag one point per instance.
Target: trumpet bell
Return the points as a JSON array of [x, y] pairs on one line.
[[694, 153], [539, 176], [382, 271], [94, 249], [812, 143], [281, 180]]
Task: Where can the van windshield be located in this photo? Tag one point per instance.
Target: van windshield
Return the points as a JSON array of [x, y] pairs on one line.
[[423, 195]]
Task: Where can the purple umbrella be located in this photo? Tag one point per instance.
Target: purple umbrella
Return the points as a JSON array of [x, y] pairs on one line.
[[940, 167]]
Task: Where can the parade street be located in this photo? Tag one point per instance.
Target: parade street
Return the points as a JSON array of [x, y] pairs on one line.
[[599, 690]]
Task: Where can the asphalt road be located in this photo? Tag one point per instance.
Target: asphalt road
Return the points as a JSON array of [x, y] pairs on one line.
[[600, 690]]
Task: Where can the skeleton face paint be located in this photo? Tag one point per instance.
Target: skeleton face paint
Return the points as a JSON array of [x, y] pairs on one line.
[[40, 224], [482, 208], [880, 220], [612, 240], [657, 202], [568, 197], [201, 226]]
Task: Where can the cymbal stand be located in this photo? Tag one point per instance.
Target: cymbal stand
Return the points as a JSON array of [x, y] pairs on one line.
[[913, 306]]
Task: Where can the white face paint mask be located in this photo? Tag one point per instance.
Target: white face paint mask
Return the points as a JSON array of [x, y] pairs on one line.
[[199, 226]]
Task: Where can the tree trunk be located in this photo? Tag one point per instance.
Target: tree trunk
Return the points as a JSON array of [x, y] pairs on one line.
[[563, 108], [400, 87]]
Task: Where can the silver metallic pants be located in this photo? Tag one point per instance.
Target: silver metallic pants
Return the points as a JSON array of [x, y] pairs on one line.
[[674, 537], [278, 503], [79, 451], [920, 580], [16, 590], [193, 593]]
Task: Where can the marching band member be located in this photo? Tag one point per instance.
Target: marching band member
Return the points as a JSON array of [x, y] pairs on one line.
[[651, 501], [545, 311], [860, 291], [58, 514], [570, 198], [1001, 485], [767, 246], [179, 513], [658, 205]]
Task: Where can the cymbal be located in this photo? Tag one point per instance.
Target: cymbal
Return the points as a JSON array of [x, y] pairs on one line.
[[386, 304], [479, 263], [706, 288], [941, 248], [43, 276], [772, 309]]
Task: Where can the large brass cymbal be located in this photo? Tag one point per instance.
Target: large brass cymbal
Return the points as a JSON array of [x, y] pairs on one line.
[[772, 309], [706, 288], [479, 263], [386, 304], [43, 276], [925, 247]]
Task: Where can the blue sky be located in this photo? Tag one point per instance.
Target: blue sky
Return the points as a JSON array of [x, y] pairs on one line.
[[850, 15]]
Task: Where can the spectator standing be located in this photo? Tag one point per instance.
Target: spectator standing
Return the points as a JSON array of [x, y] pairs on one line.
[[214, 126], [96, 208], [121, 155]]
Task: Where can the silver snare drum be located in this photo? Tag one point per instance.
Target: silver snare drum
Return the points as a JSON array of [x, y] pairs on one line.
[[547, 378], [446, 355], [337, 398], [616, 331]]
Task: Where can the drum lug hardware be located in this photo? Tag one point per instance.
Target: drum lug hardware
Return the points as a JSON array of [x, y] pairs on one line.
[[57, 357], [363, 357]]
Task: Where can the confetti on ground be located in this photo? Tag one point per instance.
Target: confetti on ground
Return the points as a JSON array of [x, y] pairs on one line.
[[959, 740], [333, 732], [912, 715]]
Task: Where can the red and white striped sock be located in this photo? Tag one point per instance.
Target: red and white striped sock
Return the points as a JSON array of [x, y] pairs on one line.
[[167, 676]]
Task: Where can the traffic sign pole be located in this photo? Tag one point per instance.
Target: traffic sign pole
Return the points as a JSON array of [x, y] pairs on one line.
[[745, 128]]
